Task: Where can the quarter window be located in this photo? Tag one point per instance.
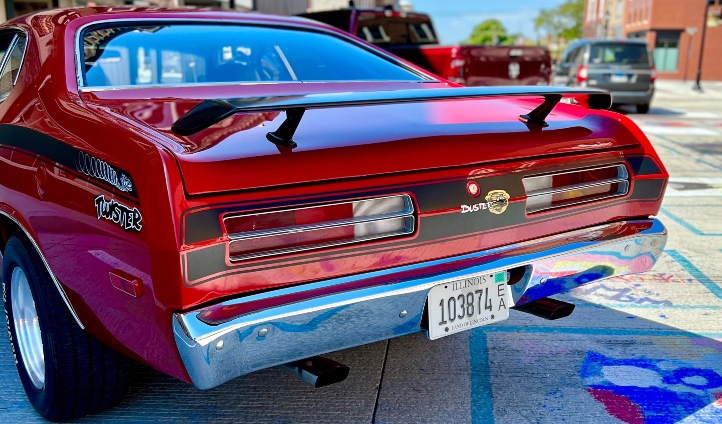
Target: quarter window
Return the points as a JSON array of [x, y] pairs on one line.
[[12, 49]]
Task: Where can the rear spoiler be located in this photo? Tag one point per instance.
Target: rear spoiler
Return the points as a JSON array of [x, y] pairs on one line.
[[210, 112]]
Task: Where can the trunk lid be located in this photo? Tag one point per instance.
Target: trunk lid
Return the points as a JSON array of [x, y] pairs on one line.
[[358, 142], [505, 65]]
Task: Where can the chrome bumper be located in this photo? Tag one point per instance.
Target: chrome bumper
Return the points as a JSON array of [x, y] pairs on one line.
[[632, 97], [232, 338]]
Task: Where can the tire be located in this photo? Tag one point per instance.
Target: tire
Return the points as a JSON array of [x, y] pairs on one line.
[[643, 108], [66, 373]]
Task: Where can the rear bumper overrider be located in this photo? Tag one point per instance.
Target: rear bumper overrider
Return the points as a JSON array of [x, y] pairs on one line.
[[326, 316]]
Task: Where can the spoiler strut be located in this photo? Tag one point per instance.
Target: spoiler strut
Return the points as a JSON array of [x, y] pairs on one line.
[[210, 112]]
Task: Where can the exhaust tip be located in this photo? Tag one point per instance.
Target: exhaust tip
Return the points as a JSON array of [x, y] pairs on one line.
[[547, 308], [318, 371]]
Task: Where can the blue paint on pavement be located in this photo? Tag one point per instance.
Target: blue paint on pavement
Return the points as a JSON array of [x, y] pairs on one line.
[[687, 225], [671, 149], [482, 401], [641, 389], [704, 162], [696, 273], [627, 332]]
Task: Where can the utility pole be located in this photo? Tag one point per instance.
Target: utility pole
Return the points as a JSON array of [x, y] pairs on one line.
[[606, 25], [690, 31], [697, 86]]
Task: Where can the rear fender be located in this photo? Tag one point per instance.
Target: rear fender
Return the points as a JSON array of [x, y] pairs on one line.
[[12, 222]]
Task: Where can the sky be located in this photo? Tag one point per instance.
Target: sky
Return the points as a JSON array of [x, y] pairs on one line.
[[455, 19]]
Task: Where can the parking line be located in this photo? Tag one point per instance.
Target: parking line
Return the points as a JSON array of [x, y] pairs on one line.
[[710, 164], [482, 400], [671, 149], [688, 266], [634, 332], [687, 225]]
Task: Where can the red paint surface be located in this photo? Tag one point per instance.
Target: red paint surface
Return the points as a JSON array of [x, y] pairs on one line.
[[618, 406]]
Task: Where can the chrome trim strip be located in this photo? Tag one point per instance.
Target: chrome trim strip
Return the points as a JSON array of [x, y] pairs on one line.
[[621, 170], [547, 191], [8, 52], [22, 60], [226, 84], [180, 20], [317, 325], [595, 199], [317, 226], [50, 271], [622, 179], [407, 211], [4, 62]]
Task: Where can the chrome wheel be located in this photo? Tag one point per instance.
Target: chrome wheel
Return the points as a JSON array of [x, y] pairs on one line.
[[27, 328]]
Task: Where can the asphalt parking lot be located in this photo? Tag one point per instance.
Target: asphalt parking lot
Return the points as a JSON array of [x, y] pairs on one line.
[[638, 349]]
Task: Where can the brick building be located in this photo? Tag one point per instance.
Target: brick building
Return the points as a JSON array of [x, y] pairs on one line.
[[672, 28], [604, 19]]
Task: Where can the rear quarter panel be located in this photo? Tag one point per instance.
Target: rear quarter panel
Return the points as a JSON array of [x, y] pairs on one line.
[[43, 128]]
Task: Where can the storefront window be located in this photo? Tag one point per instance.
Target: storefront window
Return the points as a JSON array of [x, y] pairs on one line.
[[666, 51]]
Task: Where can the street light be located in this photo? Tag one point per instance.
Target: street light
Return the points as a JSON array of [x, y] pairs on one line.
[[697, 86]]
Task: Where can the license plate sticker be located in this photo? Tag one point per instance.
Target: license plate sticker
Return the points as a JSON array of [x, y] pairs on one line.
[[620, 78], [466, 303]]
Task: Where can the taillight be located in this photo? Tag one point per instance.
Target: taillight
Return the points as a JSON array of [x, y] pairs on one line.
[[653, 74], [286, 231], [455, 70], [582, 74], [573, 187]]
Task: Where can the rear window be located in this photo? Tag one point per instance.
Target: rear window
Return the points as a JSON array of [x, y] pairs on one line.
[[381, 29], [618, 53], [191, 54]]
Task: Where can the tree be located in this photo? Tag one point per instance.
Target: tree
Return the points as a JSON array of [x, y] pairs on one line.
[[563, 22], [489, 32]]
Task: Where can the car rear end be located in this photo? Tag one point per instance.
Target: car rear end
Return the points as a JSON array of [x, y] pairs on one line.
[[505, 65], [624, 68], [319, 215], [406, 229]]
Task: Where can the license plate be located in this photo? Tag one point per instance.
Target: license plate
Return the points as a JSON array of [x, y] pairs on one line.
[[620, 78], [467, 303]]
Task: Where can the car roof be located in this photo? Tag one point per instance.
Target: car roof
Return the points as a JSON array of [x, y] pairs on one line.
[[613, 41], [67, 15]]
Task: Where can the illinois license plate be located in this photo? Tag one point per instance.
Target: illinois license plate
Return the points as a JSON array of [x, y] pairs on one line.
[[620, 78], [467, 303]]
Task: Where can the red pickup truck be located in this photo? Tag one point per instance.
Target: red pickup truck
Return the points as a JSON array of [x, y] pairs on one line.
[[411, 36]]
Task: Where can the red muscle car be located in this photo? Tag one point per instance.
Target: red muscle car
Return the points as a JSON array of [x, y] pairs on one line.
[[213, 193]]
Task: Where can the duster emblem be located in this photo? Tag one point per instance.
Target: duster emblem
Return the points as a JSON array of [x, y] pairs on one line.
[[498, 201]]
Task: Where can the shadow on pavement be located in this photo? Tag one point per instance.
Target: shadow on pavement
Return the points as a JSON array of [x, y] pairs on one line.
[[622, 357], [631, 110]]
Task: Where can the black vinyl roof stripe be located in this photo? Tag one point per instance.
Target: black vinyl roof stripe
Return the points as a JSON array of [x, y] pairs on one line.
[[61, 153]]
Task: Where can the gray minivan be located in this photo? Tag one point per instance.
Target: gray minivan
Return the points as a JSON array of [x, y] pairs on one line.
[[623, 67]]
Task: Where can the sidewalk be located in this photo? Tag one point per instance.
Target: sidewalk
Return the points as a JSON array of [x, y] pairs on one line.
[[682, 91]]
